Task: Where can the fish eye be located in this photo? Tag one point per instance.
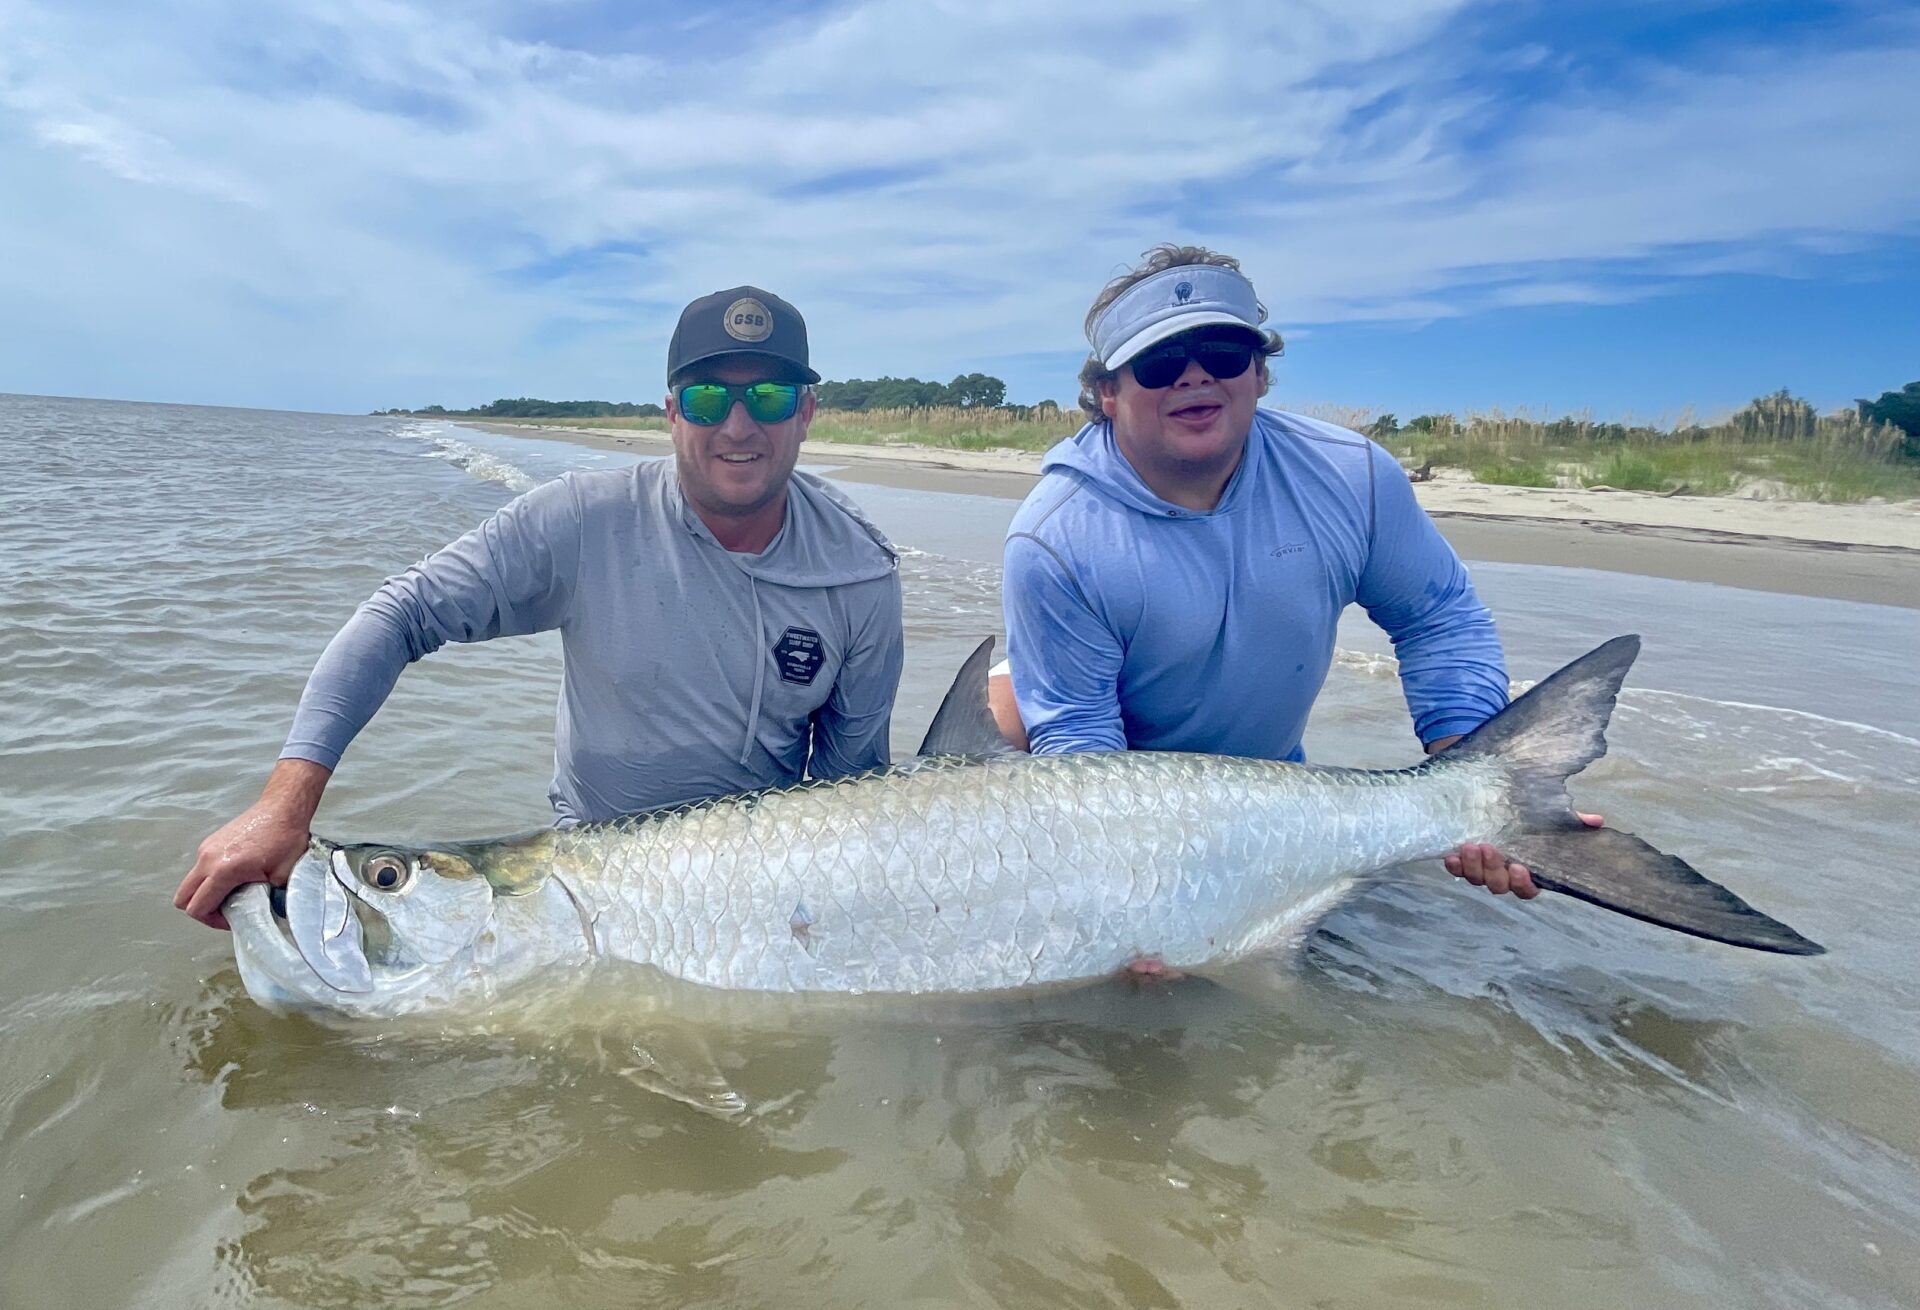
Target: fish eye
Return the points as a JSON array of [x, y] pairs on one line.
[[385, 872]]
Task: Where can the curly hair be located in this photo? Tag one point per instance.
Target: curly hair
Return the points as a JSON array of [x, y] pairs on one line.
[[1094, 375]]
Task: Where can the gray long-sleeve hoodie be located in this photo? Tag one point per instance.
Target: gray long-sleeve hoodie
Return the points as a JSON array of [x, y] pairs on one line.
[[690, 670]]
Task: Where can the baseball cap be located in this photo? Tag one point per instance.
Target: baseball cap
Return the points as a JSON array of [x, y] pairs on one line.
[[1170, 302], [740, 321]]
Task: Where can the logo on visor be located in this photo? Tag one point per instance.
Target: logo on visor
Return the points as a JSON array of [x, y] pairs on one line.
[[1182, 292], [748, 320], [798, 655]]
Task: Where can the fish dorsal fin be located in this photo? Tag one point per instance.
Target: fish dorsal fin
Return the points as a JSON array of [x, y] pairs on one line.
[[964, 724]]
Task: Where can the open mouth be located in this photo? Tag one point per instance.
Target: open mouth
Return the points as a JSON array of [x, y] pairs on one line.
[[263, 942], [264, 908], [1195, 414], [739, 457]]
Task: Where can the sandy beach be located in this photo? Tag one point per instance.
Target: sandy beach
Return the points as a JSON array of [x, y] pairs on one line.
[[1844, 552]]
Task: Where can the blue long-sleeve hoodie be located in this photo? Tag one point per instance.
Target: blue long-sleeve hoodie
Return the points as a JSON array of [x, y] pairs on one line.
[[1135, 623]]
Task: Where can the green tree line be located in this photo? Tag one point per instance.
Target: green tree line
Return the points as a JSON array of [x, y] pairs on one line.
[[967, 391], [527, 407], [1897, 409]]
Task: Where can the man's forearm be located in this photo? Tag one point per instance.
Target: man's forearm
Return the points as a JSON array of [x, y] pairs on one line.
[[349, 683], [294, 788]]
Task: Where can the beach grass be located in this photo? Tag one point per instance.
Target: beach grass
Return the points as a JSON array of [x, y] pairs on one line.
[[1514, 473], [951, 427], [1771, 449], [597, 423], [1779, 454]]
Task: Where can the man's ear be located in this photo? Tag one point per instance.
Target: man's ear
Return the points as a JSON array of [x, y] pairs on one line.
[[1109, 397], [808, 404], [1266, 375]]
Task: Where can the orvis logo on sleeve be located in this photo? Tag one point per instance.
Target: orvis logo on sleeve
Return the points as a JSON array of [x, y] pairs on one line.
[[799, 654]]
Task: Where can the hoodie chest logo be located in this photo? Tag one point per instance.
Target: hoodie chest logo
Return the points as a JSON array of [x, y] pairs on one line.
[[799, 654]]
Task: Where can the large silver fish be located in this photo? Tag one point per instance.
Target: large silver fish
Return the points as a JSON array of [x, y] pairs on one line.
[[968, 868]]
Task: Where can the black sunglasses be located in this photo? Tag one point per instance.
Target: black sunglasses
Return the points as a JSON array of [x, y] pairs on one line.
[[1224, 352]]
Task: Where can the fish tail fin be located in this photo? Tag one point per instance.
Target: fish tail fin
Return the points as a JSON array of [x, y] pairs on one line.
[[1617, 871], [1551, 733]]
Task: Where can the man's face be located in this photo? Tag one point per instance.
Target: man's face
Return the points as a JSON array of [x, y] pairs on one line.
[[737, 467], [1195, 426]]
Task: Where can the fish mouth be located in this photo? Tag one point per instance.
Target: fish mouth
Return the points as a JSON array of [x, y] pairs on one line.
[[271, 966]]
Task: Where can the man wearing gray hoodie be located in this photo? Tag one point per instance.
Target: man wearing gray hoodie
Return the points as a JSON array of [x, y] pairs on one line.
[[727, 623]]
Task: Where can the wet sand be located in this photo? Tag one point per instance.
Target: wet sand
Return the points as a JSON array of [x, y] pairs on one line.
[[1841, 552]]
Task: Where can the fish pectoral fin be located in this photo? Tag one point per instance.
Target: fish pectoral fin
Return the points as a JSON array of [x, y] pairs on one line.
[[1617, 871], [805, 931], [680, 1066]]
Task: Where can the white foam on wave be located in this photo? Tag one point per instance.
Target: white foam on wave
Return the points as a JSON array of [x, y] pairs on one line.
[[1368, 664], [1365, 664], [449, 448], [1815, 722], [1772, 750], [944, 585], [1386, 666], [424, 428], [1824, 752], [1791, 773], [482, 464]]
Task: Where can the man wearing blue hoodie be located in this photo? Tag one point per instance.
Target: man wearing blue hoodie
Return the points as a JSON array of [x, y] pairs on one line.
[[727, 623], [1175, 579]]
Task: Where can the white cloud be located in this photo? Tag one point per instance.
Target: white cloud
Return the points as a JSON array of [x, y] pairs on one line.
[[327, 204]]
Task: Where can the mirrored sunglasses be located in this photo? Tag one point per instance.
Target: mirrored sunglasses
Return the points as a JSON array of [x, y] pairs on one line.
[[709, 403]]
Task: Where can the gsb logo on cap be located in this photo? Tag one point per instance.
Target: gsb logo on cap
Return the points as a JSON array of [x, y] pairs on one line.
[[1183, 292], [747, 319]]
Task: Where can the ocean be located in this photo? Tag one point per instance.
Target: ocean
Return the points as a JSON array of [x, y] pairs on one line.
[[1439, 1099]]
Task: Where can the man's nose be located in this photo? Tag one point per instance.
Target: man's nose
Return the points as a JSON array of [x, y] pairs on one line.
[[737, 424], [1194, 375]]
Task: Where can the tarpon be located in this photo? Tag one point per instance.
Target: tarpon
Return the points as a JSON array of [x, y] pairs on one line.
[[969, 868]]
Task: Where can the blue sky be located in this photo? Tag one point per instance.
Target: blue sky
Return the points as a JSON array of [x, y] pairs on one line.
[[1622, 208]]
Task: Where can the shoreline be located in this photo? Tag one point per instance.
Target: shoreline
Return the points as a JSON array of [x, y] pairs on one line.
[[1867, 553]]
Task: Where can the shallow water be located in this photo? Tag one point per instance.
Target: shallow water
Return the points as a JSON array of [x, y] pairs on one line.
[[1442, 1099]]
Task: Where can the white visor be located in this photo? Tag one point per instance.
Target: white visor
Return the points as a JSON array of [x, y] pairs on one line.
[[1171, 302]]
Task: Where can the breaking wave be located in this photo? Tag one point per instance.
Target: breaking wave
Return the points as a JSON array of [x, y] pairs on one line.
[[1781, 750], [1778, 751], [1365, 663], [482, 464], [1371, 665]]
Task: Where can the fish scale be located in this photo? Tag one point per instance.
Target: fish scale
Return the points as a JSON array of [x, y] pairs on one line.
[[1144, 853]]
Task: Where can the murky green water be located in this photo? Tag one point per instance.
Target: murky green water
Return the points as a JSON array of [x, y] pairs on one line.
[[1441, 1100]]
